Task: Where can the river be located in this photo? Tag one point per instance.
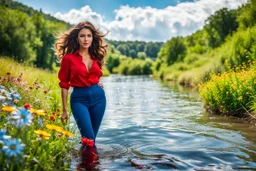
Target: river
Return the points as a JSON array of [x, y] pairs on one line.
[[152, 126]]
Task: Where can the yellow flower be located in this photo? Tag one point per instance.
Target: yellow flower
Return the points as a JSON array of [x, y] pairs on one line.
[[68, 134], [9, 109], [43, 134], [54, 127], [38, 112], [240, 98]]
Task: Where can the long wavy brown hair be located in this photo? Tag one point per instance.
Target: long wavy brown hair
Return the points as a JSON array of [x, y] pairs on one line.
[[67, 43]]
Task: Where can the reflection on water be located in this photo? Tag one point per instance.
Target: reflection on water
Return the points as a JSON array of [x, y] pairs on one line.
[[151, 126]]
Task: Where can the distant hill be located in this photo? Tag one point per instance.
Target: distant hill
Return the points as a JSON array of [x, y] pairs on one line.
[[30, 11]]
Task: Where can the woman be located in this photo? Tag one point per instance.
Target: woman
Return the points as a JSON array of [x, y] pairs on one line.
[[81, 52]]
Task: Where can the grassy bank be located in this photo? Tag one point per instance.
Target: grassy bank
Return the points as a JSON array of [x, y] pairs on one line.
[[32, 136], [233, 92]]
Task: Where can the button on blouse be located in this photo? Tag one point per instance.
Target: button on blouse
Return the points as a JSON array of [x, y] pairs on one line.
[[73, 72]]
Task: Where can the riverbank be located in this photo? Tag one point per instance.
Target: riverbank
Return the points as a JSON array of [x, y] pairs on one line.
[[232, 93]]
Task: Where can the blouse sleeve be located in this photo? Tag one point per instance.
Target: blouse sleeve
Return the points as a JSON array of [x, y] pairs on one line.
[[64, 73]]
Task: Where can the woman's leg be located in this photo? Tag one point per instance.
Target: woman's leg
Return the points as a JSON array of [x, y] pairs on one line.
[[83, 120], [97, 113]]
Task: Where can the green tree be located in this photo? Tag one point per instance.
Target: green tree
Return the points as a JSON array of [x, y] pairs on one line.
[[141, 55], [174, 50], [132, 53], [17, 35], [219, 25], [247, 17], [151, 49], [113, 60], [124, 49], [139, 47]]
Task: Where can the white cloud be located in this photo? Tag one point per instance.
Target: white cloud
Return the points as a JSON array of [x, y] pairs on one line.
[[151, 24], [75, 16]]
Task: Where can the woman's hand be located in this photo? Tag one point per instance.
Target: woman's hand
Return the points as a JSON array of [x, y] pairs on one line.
[[101, 85], [64, 117]]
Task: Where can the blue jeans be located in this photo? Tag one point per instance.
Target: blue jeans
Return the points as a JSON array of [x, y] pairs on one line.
[[88, 105]]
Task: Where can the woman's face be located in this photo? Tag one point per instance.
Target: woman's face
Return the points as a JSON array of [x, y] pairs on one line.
[[85, 38]]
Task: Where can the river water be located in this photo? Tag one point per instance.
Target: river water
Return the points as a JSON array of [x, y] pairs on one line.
[[152, 126]]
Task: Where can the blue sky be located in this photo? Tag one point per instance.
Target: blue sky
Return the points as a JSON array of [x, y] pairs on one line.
[[147, 20]]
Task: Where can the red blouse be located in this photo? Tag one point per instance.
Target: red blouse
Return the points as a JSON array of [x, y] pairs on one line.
[[73, 72]]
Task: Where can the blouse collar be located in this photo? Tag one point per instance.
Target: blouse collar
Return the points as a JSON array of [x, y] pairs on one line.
[[78, 54]]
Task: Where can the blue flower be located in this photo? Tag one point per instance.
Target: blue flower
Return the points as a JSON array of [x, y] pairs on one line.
[[3, 136], [10, 98], [13, 147], [2, 133], [2, 98], [22, 117], [2, 87], [15, 95]]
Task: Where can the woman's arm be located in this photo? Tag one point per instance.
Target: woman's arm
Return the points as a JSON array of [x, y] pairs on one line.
[[64, 96]]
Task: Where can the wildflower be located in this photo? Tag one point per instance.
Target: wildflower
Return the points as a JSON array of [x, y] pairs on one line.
[[58, 110], [68, 134], [240, 98], [19, 78], [27, 106], [15, 95], [57, 114], [38, 112], [9, 109], [22, 116], [37, 87], [87, 142], [3, 135], [10, 97], [52, 118], [2, 98], [43, 134], [30, 88], [45, 91], [53, 113], [13, 147], [2, 87], [8, 73], [54, 127]]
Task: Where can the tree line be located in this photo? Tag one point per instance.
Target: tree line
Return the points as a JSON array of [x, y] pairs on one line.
[[28, 37], [137, 49]]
